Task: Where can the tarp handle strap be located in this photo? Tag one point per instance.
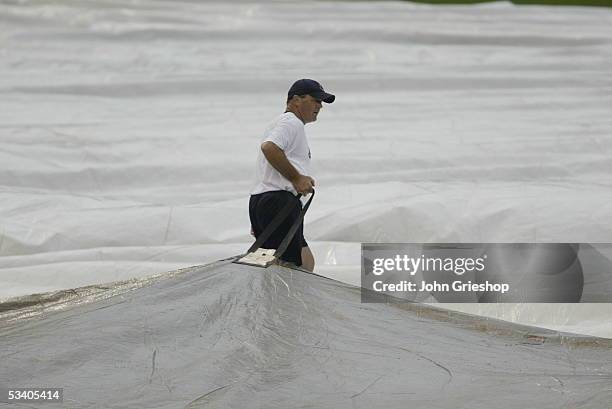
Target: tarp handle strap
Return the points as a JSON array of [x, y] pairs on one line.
[[285, 243], [280, 217]]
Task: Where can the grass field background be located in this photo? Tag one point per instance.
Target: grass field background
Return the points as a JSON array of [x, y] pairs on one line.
[[591, 3]]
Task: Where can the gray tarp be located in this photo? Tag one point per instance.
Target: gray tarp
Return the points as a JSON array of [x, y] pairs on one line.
[[234, 336]]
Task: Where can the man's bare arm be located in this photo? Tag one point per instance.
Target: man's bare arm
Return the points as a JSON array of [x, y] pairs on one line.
[[277, 158]]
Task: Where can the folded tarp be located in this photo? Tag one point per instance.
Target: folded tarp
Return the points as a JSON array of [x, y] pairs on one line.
[[234, 336]]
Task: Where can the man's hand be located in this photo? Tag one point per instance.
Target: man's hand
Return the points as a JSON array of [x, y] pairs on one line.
[[276, 157], [303, 184]]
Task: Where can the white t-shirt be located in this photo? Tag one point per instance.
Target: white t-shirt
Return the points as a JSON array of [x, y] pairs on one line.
[[286, 132]]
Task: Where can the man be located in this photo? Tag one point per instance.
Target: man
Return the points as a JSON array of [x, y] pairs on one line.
[[283, 170]]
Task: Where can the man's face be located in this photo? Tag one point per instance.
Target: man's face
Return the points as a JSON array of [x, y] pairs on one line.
[[308, 108]]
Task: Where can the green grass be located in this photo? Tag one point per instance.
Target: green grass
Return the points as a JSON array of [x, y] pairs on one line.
[[596, 3]]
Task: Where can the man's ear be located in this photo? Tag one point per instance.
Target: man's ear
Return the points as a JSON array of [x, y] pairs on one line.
[[294, 99]]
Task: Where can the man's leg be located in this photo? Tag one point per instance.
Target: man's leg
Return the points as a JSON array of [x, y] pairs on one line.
[[263, 208], [308, 261]]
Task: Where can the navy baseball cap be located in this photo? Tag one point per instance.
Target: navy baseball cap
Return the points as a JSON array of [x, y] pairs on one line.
[[310, 87]]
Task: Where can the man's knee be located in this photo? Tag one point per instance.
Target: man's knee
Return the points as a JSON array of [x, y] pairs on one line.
[[308, 261]]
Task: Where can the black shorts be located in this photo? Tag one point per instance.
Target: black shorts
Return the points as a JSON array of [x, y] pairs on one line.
[[263, 207]]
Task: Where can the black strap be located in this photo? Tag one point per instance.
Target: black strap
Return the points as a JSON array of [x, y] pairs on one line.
[[282, 215], [285, 243]]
